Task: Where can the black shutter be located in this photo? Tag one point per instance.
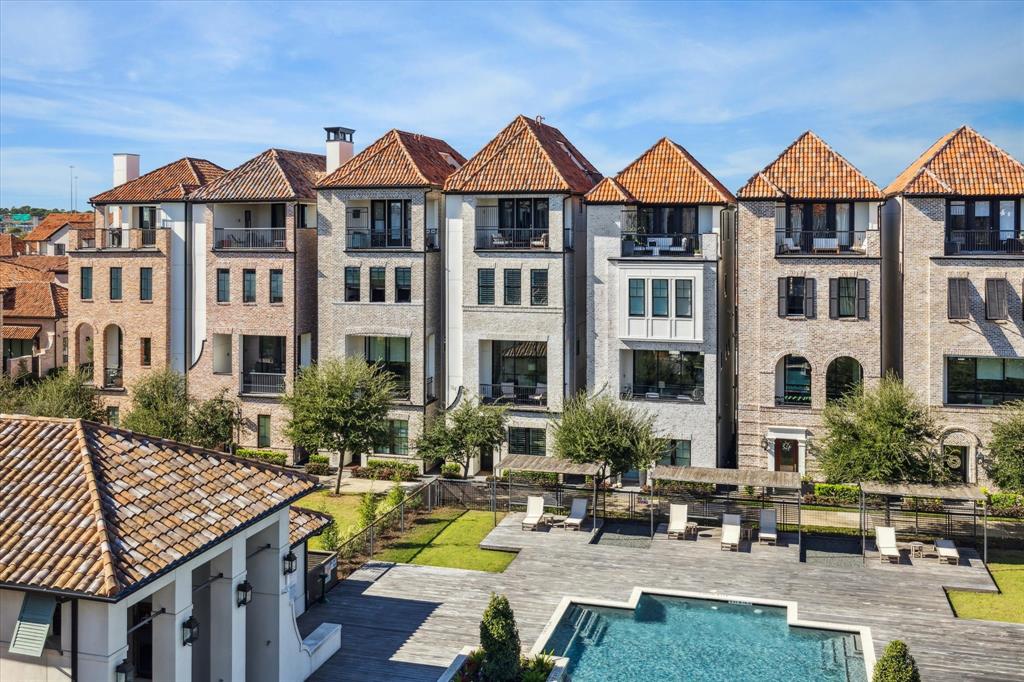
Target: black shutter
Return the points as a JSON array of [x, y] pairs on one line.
[[782, 296], [957, 299], [862, 299], [833, 298], [995, 299], [810, 299]]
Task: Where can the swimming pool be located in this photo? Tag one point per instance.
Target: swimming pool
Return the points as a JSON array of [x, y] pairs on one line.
[[685, 638]]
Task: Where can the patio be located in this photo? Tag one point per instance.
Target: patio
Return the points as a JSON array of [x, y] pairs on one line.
[[403, 622]]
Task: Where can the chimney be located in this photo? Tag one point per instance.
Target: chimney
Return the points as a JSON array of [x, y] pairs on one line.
[[339, 146], [126, 167]]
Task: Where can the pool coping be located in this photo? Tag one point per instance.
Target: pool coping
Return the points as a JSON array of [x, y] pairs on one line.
[[867, 644]]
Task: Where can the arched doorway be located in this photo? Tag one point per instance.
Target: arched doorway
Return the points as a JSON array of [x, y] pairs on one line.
[[113, 357], [83, 359]]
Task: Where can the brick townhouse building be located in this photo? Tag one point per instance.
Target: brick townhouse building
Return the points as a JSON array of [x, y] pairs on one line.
[[659, 307], [33, 320], [52, 236], [382, 284], [955, 281], [808, 288]]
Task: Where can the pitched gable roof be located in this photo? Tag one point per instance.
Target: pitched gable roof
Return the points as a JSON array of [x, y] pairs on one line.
[[42, 263], [960, 163], [305, 523], [527, 156], [55, 221], [11, 245], [173, 182], [13, 270], [275, 174], [35, 299], [665, 173], [398, 159], [810, 169], [95, 510]]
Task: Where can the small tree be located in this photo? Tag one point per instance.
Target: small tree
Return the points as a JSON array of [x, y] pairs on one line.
[[65, 394], [212, 423], [1005, 462], [601, 430], [499, 638], [896, 664], [367, 509], [339, 405], [159, 406], [459, 436], [885, 434]]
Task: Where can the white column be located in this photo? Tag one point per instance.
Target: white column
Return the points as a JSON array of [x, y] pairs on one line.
[[227, 619], [172, 660], [269, 602], [102, 638]]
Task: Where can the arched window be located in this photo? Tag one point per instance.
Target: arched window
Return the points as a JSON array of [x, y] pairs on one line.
[[793, 381], [843, 376]]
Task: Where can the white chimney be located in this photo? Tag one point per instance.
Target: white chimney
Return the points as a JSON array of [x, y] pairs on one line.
[[126, 167], [339, 146]]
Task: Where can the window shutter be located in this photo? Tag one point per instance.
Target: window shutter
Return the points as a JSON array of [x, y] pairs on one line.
[[953, 309], [833, 298], [33, 624], [995, 299], [782, 296], [810, 299], [862, 299]]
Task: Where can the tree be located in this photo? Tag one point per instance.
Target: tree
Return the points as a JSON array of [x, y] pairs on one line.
[[885, 434], [341, 406], [601, 430], [896, 664], [65, 394], [212, 423], [499, 638], [459, 435], [11, 396], [1005, 463], [160, 406]]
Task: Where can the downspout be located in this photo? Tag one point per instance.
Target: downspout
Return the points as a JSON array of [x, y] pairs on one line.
[[74, 640], [569, 334], [186, 365], [423, 395]]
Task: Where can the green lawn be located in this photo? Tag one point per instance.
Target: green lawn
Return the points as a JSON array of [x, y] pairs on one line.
[[449, 537], [341, 507], [1007, 568]]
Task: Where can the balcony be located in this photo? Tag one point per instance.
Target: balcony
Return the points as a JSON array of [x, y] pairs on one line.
[[263, 365], [365, 238], [658, 245], [794, 396], [263, 383], [401, 389], [983, 242], [249, 238], [147, 237], [693, 393], [432, 240], [511, 239], [510, 393], [820, 242], [113, 377]]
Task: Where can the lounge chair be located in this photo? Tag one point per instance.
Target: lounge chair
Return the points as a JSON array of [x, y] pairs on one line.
[[508, 391], [885, 539], [577, 514], [677, 519], [947, 551], [767, 531], [731, 532], [534, 512]]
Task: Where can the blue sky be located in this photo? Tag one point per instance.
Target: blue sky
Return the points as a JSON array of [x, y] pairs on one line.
[[733, 83]]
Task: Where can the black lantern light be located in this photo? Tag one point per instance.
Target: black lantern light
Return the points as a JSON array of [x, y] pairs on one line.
[[291, 563], [244, 591], [124, 672], [190, 631]]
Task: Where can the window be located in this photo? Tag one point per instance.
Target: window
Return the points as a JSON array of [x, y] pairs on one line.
[[982, 216], [513, 286], [276, 286], [145, 351], [842, 377], [377, 284], [684, 298], [85, 274], [64, 350], [984, 381], [538, 287], [248, 286], [957, 216], [222, 353], [796, 297], [389, 223], [223, 285], [523, 441], [844, 299], [302, 215], [58, 250], [113, 416], [351, 284], [677, 454], [637, 304], [147, 217], [519, 370], [668, 220], [659, 297], [403, 285], [145, 284], [995, 299], [957, 304], [796, 381], [115, 284], [668, 374], [263, 431], [277, 215], [392, 354], [485, 286], [396, 441]]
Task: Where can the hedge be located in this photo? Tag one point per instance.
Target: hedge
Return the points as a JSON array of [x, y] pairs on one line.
[[1006, 504], [837, 493], [451, 470], [386, 469], [536, 477], [270, 456], [319, 469], [319, 459]]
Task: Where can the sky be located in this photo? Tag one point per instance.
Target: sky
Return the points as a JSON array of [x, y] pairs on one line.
[[733, 83]]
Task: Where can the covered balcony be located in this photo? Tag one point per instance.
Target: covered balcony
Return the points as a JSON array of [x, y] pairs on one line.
[[659, 231], [391, 354], [264, 366], [807, 228], [250, 226], [983, 226], [663, 375], [379, 225], [512, 224], [514, 373]]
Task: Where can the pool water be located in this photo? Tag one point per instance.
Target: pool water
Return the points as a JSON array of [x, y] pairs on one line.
[[674, 638]]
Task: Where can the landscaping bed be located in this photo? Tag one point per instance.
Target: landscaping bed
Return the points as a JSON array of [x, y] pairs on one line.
[[1007, 569]]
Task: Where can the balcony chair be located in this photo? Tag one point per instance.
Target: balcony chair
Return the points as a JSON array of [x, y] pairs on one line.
[[541, 393], [541, 243], [508, 391]]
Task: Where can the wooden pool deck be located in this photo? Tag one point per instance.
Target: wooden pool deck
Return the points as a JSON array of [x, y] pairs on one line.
[[405, 622]]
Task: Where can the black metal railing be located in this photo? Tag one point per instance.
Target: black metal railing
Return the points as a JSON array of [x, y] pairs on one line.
[[115, 238], [497, 238], [679, 392], [365, 238], [428, 389], [249, 238], [86, 368], [148, 237], [794, 396], [819, 241], [113, 377], [983, 241], [432, 240], [271, 383], [401, 389], [634, 244], [508, 393]]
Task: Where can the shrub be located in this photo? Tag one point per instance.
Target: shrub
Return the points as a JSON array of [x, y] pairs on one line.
[[924, 505], [451, 470], [329, 537], [367, 509], [499, 638], [896, 664], [1006, 504], [319, 459], [535, 477], [683, 488], [270, 456], [386, 469], [536, 668], [319, 469], [395, 495], [837, 493]]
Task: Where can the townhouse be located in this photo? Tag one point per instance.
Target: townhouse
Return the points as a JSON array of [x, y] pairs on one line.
[[254, 288], [51, 237], [515, 314], [659, 254], [808, 255], [382, 285], [955, 285], [33, 320], [127, 278]]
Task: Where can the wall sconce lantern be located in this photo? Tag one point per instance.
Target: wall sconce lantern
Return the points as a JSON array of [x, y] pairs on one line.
[[190, 631], [291, 563], [244, 591], [124, 672]]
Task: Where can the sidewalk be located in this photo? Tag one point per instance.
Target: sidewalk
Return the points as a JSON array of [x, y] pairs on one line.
[[357, 486]]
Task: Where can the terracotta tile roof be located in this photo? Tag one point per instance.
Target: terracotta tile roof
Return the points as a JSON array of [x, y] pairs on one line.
[[276, 174], [35, 299], [21, 332], [305, 523], [961, 163], [42, 263], [398, 159], [664, 174], [174, 182], [11, 245], [95, 510], [527, 156], [13, 271], [53, 222], [810, 169]]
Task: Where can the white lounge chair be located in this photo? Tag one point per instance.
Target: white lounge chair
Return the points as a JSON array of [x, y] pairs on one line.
[[677, 518], [885, 540], [534, 512], [578, 513], [767, 528], [731, 532], [947, 551]]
